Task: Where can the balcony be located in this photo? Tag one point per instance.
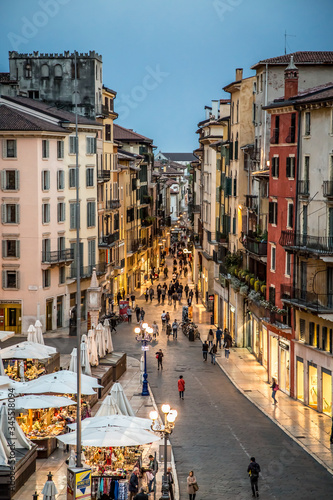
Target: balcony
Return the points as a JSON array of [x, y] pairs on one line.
[[328, 189], [303, 188], [133, 246], [290, 139], [103, 175], [112, 204], [109, 240], [254, 245], [58, 256], [275, 136], [120, 264], [305, 299], [86, 271], [146, 222], [322, 245]]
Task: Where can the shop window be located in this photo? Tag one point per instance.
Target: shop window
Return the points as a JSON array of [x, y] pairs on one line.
[[300, 380], [327, 392], [313, 388]]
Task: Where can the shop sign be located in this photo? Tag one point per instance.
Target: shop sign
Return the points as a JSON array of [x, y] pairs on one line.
[[283, 345], [10, 302], [123, 306], [79, 484], [33, 288]]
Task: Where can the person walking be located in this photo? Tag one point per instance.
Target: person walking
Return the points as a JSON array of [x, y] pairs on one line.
[[192, 486], [159, 293], [253, 471], [169, 296], [212, 353], [167, 317], [155, 329], [227, 343], [163, 295], [190, 294], [168, 330], [163, 318], [151, 294], [146, 294], [218, 335], [142, 313], [179, 293], [170, 483], [185, 271], [210, 338], [133, 299], [197, 294], [175, 329], [133, 485], [159, 357], [186, 289], [205, 350], [142, 495], [137, 312], [181, 386], [275, 388], [118, 297], [174, 298], [129, 314]]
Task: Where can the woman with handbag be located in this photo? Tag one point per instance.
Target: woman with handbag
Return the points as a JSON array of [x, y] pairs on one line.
[[192, 485], [275, 388]]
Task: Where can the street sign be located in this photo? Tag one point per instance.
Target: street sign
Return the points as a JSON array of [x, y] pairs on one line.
[[145, 348], [210, 297]]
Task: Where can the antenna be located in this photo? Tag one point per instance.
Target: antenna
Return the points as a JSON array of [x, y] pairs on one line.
[[285, 41]]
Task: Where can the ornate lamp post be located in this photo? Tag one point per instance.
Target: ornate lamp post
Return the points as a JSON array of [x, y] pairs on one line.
[[145, 338], [165, 430]]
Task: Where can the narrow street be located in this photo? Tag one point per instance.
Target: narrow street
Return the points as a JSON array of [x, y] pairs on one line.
[[217, 429]]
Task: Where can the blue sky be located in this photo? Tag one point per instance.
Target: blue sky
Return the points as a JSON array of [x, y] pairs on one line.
[[166, 58]]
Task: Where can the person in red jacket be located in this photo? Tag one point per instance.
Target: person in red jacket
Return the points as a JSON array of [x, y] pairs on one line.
[[181, 387]]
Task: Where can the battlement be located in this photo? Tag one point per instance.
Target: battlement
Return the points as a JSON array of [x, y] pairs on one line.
[[66, 55]]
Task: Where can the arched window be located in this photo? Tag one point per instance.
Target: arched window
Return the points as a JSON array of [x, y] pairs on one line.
[[44, 71], [57, 71], [28, 70]]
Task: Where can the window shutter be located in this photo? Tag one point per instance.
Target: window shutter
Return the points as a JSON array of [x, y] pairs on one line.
[[291, 215], [93, 206], [3, 213], [4, 248], [87, 177], [72, 216], [88, 145], [15, 153], [288, 167], [231, 150], [64, 211], [270, 212], [277, 166], [48, 212], [18, 253], [47, 179], [17, 179], [17, 213], [4, 279], [17, 279], [275, 206], [3, 180], [4, 148], [47, 148]]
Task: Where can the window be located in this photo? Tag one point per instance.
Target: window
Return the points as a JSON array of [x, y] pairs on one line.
[[33, 94], [10, 180], [44, 71], [261, 82], [237, 112], [272, 212], [10, 213], [232, 113], [46, 250], [9, 148], [72, 211], [61, 211], [60, 149], [45, 149], [290, 167], [45, 213], [57, 71], [254, 108], [235, 186], [72, 177], [91, 145], [290, 215], [234, 225], [45, 180], [46, 278], [307, 129], [91, 214], [28, 70], [288, 264], [236, 147], [271, 295], [293, 128], [60, 180], [72, 144], [306, 169], [273, 257], [108, 132], [312, 340], [275, 166], [11, 279], [62, 275], [10, 249], [325, 339], [90, 177]]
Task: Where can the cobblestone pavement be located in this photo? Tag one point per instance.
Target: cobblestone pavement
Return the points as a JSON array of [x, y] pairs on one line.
[[218, 429]]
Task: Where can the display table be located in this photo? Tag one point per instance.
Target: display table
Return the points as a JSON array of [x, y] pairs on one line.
[[45, 446], [52, 363], [25, 466], [116, 363]]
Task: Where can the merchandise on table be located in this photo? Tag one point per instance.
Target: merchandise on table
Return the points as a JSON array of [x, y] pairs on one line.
[[32, 370]]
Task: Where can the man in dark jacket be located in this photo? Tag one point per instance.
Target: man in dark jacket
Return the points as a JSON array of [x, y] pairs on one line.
[[133, 485], [205, 350], [253, 470], [170, 483], [142, 495]]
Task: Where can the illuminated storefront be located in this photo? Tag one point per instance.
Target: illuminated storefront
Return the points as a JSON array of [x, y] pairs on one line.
[[313, 386], [326, 376], [300, 379]]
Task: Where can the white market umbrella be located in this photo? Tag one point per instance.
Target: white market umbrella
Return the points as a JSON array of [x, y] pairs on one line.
[[119, 396], [57, 383], [100, 342], [92, 349], [13, 433], [27, 350], [33, 402], [114, 421], [111, 436], [49, 491], [32, 337], [108, 336], [73, 361], [39, 333], [85, 364], [108, 407]]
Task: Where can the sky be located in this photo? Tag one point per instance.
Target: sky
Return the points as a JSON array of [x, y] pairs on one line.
[[166, 59]]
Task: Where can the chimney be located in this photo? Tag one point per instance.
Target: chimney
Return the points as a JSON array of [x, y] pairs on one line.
[[290, 80], [239, 74], [215, 109]]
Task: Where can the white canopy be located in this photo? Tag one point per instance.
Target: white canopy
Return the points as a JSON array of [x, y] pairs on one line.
[[114, 421], [15, 433], [33, 402], [120, 397], [100, 342], [62, 382], [92, 349], [108, 407], [27, 350]]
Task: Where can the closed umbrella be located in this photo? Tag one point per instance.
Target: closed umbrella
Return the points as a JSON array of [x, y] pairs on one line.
[[100, 341], [39, 333], [49, 491], [92, 349], [85, 364], [108, 407], [33, 402], [32, 337], [108, 336], [111, 436], [73, 361], [114, 420], [120, 397]]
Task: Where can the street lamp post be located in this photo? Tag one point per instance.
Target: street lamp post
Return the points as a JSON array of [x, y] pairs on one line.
[[145, 338], [165, 430]]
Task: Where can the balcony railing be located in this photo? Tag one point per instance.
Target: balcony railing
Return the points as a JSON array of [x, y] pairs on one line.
[[103, 175], [303, 188], [254, 246], [328, 189], [58, 256], [275, 136], [133, 246], [86, 271], [314, 244], [146, 223], [291, 136], [112, 204], [109, 240], [306, 299]]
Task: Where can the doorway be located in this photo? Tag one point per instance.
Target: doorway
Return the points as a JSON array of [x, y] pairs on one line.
[[49, 314], [59, 311]]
